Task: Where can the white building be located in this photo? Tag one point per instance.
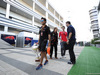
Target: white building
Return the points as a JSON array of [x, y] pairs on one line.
[[94, 21], [24, 15], [99, 17]]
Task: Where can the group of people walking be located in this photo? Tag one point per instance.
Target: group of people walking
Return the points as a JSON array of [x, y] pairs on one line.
[[67, 42]]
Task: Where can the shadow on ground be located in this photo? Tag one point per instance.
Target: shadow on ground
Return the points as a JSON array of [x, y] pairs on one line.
[[27, 68]]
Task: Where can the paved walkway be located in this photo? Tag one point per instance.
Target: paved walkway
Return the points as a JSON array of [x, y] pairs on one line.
[[21, 61], [4, 45]]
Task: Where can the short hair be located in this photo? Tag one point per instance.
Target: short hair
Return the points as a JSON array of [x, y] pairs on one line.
[[63, 27], [43, 18], [68, 22]]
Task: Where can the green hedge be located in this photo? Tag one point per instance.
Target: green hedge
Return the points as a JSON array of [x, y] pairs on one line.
[[93, 41]]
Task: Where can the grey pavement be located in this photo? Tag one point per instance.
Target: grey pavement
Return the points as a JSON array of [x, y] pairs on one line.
[[4, 44], [21, 61]]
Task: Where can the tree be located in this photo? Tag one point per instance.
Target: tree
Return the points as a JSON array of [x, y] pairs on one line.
[[93, 41]]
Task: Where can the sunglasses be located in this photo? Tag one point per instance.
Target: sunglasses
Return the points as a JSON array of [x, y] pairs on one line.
[[41, 20]]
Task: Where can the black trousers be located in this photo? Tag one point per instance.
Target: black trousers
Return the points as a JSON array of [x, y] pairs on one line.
[[51, 51], [71, 51]]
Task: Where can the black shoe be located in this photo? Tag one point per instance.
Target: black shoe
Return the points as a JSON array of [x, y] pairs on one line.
[[56, 57], [69, 62]]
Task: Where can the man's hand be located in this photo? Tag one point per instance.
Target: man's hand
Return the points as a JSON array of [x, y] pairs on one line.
[[61, 40], [57, 43], [49, 40], [37, 42], [67, 42]]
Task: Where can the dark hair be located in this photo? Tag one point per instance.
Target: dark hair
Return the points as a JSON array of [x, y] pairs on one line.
[[68, 22], [63, 27], [54, 29], [44, 19]]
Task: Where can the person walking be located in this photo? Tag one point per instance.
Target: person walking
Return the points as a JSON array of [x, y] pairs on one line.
[[63, 37], [54, 42], [71, 42], [44, 35]]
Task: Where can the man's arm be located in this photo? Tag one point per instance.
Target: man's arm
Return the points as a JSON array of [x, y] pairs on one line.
[[70, 34], [38, 39], [49, 36], [59, 35], [67, 36], [49, 39]]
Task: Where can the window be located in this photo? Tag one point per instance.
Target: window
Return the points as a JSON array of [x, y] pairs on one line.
[[1, 28]]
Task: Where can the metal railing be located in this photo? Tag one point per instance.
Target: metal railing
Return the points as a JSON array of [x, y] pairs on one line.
[[19, 20], [29, 11], [14, 24]]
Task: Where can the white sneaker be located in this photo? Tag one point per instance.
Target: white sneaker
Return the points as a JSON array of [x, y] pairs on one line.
[[64, 56], [61, 57]]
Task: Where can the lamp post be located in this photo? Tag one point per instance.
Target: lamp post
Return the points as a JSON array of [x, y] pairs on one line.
[[68, 12]]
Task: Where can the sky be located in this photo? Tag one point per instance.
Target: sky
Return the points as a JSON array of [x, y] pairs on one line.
[[77, 11]]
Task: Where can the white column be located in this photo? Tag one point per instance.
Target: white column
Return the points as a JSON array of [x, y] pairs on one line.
[[33, 15], [33, 22], [54, 13], [59, 24], [59, 19], [46, 11], [54, 18], [47, 17], [0, 36], [7, 16], [33, 6]]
